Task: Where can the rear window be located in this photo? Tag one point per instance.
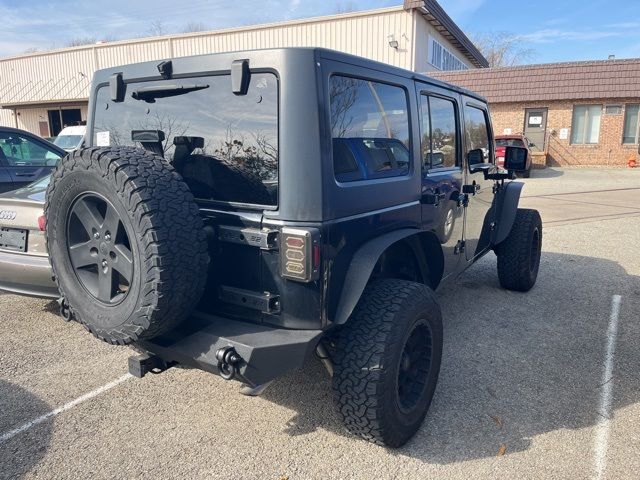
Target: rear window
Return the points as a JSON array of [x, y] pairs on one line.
[[370, 129], [509, 142], [224, 145]]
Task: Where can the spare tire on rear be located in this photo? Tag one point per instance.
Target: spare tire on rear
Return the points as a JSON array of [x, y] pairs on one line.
[[126, 242]]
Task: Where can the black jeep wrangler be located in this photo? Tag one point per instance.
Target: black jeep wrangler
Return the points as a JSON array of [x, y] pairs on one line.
[[241, 212]]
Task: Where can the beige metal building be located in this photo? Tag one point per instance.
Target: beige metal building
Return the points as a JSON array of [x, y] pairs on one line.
[[44, 91]]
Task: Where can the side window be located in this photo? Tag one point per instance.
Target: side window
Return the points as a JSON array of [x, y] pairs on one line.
[[477, 131], [22, 152], [369, 129], [439, 132]]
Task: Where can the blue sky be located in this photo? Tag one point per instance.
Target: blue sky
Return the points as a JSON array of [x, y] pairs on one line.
[[556, 30]]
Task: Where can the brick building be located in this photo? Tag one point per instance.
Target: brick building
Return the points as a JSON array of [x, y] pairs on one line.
[[577, 114]]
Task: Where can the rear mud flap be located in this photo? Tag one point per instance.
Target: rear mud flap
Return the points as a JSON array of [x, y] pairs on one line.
[[265, 352]]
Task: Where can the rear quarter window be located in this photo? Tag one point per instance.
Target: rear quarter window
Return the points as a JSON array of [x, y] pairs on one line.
[[369, 128]]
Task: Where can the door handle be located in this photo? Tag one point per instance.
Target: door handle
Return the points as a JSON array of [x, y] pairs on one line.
[[471, 189], [462, 199], [19, 174], [433, 198]]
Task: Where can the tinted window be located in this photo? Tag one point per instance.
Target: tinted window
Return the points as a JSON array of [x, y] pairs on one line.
[[235, 158], [476, 130], [370, 129], [509, 142], [19, 151], [439, 132]]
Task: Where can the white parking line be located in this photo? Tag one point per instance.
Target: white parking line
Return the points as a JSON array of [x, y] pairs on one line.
[[67, 406], [604, 422]]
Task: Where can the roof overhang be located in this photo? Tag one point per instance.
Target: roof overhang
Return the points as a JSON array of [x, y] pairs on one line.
[[47, 104], [445, 26]]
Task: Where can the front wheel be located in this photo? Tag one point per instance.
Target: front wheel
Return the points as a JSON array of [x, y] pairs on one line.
[[386, 361], [519, 254]]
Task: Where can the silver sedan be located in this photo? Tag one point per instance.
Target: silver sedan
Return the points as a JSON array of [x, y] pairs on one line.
[[24, 263]]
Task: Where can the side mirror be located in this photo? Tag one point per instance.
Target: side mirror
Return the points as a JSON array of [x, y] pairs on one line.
[[515, 159], [475, 161]]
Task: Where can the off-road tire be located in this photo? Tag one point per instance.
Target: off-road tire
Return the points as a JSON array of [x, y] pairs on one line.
[[367, 354], [167, 242], [229, 181], [519, 254]]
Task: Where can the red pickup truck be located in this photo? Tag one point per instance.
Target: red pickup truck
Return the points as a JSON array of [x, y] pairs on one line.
[[503, 141]]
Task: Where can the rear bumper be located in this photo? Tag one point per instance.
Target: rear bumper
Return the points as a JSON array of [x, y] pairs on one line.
[[266, 352], [27, 275]]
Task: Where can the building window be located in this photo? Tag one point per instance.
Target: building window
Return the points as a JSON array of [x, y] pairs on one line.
[[612, 109], [585, 126], [631, 124], [441, 58]]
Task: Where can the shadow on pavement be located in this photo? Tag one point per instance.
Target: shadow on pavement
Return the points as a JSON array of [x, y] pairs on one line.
[[546, 172], [515, 365], [20, 454]]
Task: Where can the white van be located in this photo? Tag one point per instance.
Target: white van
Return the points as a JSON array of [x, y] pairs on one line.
[[71, 138]]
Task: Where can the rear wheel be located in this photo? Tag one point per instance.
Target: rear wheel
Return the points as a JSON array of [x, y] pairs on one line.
[[126, 242], [386, 361], [519, 254]]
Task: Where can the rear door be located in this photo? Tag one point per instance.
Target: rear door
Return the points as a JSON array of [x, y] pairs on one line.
[[442, 174], [27, 159], [478, 190]]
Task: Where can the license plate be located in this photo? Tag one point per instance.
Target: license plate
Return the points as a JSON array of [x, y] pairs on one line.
[[13, 239]]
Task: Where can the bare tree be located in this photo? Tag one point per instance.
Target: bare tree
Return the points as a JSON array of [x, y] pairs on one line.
[[502, 49], [31, 50], [157, 28], [192, 27], [343, 95], [79, 41]]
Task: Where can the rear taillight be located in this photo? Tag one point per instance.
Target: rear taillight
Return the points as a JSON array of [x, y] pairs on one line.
[[300, 253], [42, 223]]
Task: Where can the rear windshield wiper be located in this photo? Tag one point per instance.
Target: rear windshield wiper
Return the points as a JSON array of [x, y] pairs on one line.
[[149, 94]]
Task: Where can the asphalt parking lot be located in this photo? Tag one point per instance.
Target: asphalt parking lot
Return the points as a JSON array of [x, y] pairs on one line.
[[537, 385]]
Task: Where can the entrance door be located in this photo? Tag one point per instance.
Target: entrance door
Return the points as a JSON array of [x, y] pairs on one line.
[[55, 122], [535, 127]]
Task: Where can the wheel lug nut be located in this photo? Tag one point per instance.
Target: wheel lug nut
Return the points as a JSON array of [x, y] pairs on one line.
[[96, 235], [104, 263], [107, 237]]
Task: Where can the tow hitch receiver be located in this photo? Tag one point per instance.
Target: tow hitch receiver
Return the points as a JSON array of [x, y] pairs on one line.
[[140, 365]]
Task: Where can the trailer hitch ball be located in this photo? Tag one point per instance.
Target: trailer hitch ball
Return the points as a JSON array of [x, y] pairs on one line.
[[228, 362]]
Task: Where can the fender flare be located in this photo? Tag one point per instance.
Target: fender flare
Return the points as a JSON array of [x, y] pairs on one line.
[[363, 263], [507, 206]]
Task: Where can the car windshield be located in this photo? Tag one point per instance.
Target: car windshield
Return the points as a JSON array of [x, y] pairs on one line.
[[509, 142], [224, 145], [68, 141]]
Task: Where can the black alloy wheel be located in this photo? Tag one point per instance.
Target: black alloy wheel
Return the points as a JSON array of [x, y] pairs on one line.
[[414, 366], [99, 248]]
